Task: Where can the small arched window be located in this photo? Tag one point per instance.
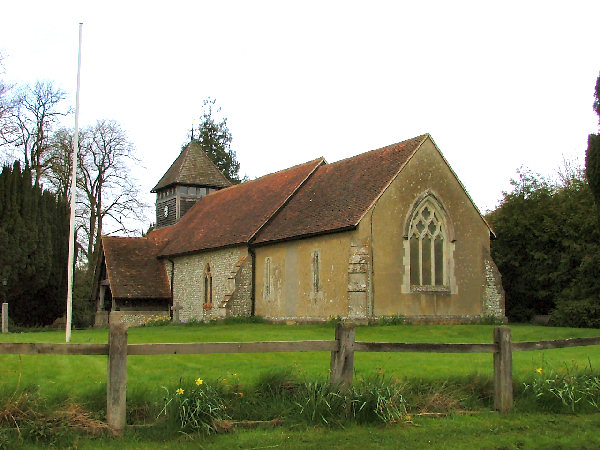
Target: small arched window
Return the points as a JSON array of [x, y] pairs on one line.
[[428, 239], [208, 294], [267, 281]]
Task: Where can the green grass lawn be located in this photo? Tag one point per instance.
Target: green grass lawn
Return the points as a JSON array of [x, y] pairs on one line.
[[485, 431], [82, 379], [76, 376]]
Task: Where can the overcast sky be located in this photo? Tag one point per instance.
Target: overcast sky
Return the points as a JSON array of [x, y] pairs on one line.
[[497, 84]]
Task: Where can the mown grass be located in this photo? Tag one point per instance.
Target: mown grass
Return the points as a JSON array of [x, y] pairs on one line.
[[76, 376], [455, 381], [484, 431]]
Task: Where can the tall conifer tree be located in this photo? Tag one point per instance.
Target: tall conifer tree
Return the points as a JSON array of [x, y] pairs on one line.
[[33, 239], [592, 155]]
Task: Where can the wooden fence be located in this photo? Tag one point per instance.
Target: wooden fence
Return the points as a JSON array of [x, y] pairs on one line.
[[341, 367]]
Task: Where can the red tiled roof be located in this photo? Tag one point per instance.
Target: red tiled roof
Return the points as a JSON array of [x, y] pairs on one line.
[[133, 269], [192, 167], [337, 195], [233, 215]]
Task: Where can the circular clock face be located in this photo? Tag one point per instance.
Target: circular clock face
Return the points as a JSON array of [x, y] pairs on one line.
[[166, 211]]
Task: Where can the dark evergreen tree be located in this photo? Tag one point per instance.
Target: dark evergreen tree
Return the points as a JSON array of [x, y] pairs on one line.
[[34, 228], [592, 155], [548, 250], [215, 139]]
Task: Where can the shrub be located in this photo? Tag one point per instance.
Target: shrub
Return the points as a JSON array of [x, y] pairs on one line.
[[392, 319], [579, 314], [489, 319]]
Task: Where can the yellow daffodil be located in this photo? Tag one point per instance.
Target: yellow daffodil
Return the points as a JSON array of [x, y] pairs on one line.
[[539, 370], [199, 381], [179, 391], [235, 374]]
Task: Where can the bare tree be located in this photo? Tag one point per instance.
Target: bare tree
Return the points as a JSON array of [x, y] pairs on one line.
[[107, 197], [7, 127], [32, 114]]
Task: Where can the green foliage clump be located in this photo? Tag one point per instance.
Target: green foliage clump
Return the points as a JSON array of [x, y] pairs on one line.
[[490, 319], [197, 409], [592, 154], [548, 245], [568, 389], [83, 306], [34, 230], [392, 319], [210, 407], [578, 314]]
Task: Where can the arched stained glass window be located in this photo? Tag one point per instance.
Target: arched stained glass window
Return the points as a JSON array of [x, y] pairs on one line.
[[427, 246]]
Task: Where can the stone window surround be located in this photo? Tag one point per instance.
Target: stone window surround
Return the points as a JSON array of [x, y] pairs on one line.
[[267, 282], [208, 295], [449, 286], [316, 271]]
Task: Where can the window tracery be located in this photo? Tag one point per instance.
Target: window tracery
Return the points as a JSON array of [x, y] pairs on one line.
[[427, 247]]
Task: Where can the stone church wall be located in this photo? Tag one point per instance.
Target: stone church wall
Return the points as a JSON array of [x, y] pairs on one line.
[[470, 290], [188, 284], [493, 297], [286, 285]]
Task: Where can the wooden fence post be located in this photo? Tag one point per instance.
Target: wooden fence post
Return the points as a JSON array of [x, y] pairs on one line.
[[116, 384], [5, 317], [503, 387], [342, 360]]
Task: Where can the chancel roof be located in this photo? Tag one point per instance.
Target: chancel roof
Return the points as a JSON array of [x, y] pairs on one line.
[[192, 168], [133, 269], [337, 195]]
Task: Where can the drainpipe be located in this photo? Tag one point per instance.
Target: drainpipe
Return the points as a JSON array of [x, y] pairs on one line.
[[253, 279]]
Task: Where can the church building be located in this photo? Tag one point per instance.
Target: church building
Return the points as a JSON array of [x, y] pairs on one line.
[[388, 232]]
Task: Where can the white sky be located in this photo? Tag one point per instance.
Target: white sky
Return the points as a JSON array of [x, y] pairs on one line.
[[497, 84]]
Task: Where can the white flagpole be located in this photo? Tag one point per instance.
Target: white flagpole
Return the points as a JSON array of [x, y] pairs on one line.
[[73, 191]]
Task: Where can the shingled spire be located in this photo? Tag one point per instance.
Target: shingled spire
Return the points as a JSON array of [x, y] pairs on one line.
[[191, 176]]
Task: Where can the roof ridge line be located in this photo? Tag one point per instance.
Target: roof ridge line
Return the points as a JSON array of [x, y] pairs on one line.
[[378, 149], [322, 162], [185, 156], [423, 138]]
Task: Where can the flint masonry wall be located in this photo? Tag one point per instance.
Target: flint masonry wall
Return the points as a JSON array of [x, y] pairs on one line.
[[240, 303], [188, 283]]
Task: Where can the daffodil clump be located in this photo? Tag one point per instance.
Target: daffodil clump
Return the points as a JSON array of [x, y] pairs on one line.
[[197, 408], [157, 321], [567, 387]]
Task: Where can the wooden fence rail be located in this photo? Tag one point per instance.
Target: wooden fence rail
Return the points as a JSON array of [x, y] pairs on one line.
[[341, 366]]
